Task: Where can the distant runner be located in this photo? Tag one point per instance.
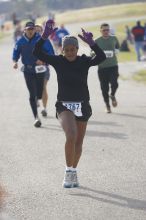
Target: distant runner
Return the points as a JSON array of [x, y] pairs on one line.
[[108, 70], [57, 38]]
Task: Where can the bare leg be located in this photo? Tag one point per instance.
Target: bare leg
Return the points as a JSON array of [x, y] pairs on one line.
[[68, 123], [45, 94], [81, 126]]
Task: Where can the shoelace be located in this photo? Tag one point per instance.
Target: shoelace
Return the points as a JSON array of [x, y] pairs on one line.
[[68, 177], [74, 177]]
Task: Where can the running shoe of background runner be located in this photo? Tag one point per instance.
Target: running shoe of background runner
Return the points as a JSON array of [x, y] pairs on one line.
[[114, 101], [37, 123], [108, 109], [44, 113]]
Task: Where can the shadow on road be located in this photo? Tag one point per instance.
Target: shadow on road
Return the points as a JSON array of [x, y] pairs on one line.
[[131, 116], [103, 123], [52, 127], [114, 135], [109, 134], [112, 198], [92, 133]]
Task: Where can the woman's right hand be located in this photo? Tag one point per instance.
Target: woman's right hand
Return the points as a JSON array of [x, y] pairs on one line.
[[87, 37]]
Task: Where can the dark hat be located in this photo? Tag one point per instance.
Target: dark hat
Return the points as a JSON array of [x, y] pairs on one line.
[[29, 24]]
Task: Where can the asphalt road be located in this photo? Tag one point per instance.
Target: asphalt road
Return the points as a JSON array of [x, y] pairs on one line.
[[112, 170]]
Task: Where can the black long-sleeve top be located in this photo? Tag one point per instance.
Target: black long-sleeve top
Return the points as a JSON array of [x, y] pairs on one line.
[[71, 75]]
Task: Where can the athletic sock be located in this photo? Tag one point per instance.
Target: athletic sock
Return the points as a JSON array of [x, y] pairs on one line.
[[74, 169], [69, 168]]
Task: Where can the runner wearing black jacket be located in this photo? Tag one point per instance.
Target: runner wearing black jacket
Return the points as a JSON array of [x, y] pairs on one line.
[[72, 106]]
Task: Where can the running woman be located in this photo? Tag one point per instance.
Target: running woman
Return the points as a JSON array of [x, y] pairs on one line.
[[72, 107]]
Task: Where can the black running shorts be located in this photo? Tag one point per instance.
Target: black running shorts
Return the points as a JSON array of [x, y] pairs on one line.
[[85, 109]]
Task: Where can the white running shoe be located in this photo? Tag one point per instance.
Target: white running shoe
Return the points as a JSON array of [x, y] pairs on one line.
[[75, 182], [37, 123], [67, 182], [108, 109]]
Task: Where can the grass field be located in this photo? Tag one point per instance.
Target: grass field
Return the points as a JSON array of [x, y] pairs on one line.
[[100, 13], [2, 35], [140, 76]]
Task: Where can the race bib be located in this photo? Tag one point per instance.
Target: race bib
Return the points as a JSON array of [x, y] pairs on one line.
[[75, 107], [40, 69], [109, 53]]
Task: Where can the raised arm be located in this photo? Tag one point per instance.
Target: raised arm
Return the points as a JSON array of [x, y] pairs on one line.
[[38, 50], [87, 37], [99, 57]]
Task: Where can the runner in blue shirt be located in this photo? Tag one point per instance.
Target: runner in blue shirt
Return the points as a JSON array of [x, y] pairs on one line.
[[60, 33], [33, 69]]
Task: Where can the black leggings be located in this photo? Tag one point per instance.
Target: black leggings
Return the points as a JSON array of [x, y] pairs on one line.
[[108, 76], [35, 84]]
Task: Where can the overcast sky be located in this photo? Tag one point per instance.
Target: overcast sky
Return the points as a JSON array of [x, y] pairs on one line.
[[5, 0]]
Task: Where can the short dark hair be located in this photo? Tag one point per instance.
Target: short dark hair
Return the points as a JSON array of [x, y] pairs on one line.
[[138, 23], [104, 25]]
